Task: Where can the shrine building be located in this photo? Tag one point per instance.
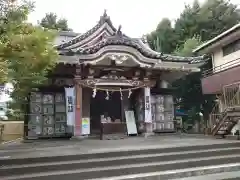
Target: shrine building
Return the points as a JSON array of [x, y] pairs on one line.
[[105, 80]]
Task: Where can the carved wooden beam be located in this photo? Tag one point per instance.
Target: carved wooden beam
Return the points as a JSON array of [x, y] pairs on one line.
[[78, 73], [61, 81], [115, 82], [147, 74], [91, 73], [136, 75]]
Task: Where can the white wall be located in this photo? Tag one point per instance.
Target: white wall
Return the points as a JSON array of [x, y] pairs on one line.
[[219, 61]]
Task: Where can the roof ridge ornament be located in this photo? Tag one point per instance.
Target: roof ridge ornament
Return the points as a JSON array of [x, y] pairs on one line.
[[119, 33], [144, 39], [105, 13], [104, 17]]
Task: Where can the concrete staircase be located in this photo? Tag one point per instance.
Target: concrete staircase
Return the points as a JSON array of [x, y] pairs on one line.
[[191, 162]]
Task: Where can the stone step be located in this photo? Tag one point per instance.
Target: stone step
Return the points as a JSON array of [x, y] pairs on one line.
[[220, 172], [123, 170], [10, 170], [108, 154], [152, 164], [235, 175]]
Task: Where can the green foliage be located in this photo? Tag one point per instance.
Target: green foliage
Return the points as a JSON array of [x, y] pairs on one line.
[[27, 50], [15, 115], [50, 21], [190, 86], [186, 26], [196, 23], [187, 48], [163, 38], [207, 21]]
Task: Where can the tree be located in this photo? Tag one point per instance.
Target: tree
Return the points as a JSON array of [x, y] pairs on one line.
[[206, 21], [27, 50], [198, 22], [186, 26], [190, 86], [187, 48], [162, 39], [50, 21]]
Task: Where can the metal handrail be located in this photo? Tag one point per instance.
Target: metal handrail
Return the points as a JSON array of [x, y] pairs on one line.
[[220, 68], [233, 98], [216, 116]]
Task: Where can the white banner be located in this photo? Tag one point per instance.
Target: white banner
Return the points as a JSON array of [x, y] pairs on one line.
[[147, 102], [70, 108]]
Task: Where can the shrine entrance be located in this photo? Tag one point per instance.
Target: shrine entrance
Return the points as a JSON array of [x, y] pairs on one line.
[[109, 108], [95, 63]]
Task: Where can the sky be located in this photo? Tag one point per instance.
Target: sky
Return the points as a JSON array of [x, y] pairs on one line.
[[137, 17]]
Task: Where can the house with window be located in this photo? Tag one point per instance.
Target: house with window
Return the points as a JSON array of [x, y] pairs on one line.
[[223, 79]]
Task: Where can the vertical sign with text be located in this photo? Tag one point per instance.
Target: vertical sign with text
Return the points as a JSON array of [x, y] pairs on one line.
[[148, 113]]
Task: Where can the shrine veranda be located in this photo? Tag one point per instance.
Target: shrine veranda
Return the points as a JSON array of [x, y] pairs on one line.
[[100, 75]]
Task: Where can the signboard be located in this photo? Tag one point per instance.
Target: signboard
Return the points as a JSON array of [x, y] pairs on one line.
[[147, 112], [69, 104], [69, 95], [85, 126], [131, 123]]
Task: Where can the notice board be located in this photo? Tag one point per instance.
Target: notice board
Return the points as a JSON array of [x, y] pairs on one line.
[[131, 123]]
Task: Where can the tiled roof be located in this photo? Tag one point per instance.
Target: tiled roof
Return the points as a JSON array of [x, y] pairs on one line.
[[103, 19], [68, 33], [120, 39]]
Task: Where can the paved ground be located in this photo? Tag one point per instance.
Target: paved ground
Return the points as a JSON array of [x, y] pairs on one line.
[[220, 176], [79, 146]]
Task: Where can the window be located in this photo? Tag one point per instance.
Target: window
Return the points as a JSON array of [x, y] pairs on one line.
[[231, 48]]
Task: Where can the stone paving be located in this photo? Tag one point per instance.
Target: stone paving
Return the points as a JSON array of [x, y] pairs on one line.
[[80, 146]]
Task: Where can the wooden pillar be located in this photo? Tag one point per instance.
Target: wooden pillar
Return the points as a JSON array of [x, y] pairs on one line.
[[78, 111], [78, 102]]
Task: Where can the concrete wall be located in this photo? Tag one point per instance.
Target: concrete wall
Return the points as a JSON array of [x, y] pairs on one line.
[[226, 69], [12, 130], [213, 84], [219, 61]]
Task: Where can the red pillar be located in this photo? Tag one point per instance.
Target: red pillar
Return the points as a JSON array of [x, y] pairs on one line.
[[78, 112]]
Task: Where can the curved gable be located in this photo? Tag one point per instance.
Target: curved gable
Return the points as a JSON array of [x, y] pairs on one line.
[[104, 27]]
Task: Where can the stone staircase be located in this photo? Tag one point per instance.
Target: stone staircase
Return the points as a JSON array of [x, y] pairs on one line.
[[144, 164]]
